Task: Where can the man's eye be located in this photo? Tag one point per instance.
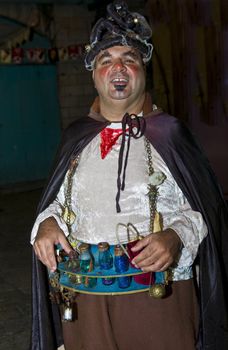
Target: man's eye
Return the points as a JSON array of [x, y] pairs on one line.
[[129, 60], [103, 63]]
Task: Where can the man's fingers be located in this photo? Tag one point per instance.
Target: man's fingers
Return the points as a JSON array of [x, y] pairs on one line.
[[151, 262], [140, 244], [50, 258], [64, 244], [37, 252], [149, 250], [147, 253], [145, 259], [46, 254], [154, 257], [158, 266], [49, 235]]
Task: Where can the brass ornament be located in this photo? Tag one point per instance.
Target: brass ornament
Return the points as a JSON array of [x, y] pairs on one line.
[[54, 280], [157, 291], [75, 279], [157, 222], [73, 262], [68, 216]]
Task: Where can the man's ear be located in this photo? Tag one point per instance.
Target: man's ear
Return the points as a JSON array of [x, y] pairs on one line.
[[93, 79]]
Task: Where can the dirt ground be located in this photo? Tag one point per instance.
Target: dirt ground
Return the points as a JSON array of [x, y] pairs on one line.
[[17, 212]]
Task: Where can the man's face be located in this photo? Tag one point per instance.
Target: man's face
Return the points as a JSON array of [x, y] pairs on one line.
[[119, 74]]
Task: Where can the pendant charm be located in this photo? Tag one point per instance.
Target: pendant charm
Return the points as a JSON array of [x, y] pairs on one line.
[[157, 222], [75, 279], [157, 178], [157, 290], [67, 313], [54, 280], [68, 216], [73, 263]]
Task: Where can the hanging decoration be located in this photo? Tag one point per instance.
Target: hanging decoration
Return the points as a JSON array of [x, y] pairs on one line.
[[17, 55], [5, 56], [17, 39], [33, 19], [38, 55], [13, 52]]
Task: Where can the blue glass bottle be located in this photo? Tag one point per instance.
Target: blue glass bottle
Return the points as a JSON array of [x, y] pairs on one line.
[[105, 261], [121, 263]]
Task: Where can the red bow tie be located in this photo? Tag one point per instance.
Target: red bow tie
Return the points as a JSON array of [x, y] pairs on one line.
[[108, 139]]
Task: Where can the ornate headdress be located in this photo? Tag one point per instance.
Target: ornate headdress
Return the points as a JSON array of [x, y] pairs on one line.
[[119, 28]]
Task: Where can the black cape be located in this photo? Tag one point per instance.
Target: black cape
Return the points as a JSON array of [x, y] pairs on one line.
[[192, 172]]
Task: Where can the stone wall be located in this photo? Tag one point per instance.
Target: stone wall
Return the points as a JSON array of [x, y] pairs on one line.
[[76, 91]]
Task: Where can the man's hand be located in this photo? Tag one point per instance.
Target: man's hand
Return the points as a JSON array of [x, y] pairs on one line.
[[48, 235], [159, 251]]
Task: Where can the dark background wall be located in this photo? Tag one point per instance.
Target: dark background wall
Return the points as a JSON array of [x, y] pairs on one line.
[[190, 71], [189, 74]]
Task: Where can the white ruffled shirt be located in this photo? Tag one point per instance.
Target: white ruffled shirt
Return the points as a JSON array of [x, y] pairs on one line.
[[93, 201]]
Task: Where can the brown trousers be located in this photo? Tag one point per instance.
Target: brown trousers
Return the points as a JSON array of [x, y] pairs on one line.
[[135, 321]]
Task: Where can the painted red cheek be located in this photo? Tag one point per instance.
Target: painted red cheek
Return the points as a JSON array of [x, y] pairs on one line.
[[103, 71], [134, 69]]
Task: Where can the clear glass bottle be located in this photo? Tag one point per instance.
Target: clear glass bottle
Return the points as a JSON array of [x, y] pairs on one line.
[[85, 257], [105, 261], [86, 265]]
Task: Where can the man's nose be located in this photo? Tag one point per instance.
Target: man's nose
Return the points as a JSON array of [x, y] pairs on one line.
[[118, 66]]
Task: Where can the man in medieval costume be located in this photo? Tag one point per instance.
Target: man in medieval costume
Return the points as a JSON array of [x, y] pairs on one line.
[[126, 169]]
